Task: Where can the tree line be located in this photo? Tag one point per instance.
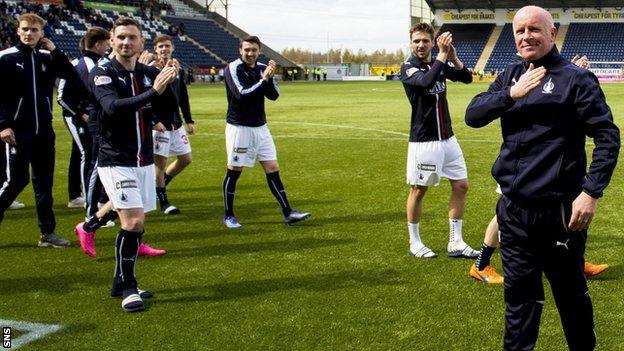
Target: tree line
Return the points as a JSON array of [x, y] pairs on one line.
[[377, 57]]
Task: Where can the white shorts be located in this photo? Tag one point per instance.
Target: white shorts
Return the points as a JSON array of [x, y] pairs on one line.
[[130, 187], [245, 145], [171, 143], [429, 161]]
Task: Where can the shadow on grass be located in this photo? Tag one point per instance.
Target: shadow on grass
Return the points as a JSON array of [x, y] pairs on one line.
[[246, 248], [362, 217], [251, 288], [59, 284]]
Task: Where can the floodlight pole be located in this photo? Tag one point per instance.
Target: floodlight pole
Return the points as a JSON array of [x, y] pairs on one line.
[[225, 4]]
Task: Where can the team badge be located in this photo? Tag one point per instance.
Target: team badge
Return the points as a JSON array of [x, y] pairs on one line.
[[123, 197], [147, 82], [548, 87], [102, 80]]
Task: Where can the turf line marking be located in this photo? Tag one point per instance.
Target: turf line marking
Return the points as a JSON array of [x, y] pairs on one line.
[[35, 331], [339, 126]]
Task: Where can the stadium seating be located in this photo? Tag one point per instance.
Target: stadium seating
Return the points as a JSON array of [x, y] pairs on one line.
[[210, 35], [469, 40], [590, 38]]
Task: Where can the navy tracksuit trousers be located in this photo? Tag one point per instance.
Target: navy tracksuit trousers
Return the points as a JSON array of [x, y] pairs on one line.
[[535, 240]]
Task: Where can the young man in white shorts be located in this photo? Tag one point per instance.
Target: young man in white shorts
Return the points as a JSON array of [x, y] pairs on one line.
[[170, 138], [247, 136], [433, 151], [123, 88]]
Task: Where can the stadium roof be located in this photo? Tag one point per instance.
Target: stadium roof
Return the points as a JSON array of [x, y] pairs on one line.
[[514, 4]]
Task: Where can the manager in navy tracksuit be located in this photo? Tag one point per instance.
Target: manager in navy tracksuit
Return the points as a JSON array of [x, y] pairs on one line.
[[547, 106], [31, 68]]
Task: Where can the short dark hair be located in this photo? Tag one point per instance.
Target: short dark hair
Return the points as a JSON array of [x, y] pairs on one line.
[[422, 27], [251, 39], [95, 35], [161, 38], [127, 21]]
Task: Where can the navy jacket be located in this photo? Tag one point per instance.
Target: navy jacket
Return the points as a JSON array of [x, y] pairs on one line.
[[72, 97], [125, 116], [245, 91], [25, 97], [542, 158], [425, 87], [167, 107]]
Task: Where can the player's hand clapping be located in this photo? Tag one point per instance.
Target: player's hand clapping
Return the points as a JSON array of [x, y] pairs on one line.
[[165, 77], [270, 70], [527, 82], [146, 57], [445, 42]]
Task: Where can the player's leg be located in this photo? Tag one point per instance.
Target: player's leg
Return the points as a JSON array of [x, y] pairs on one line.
[[267, 155], [524, 292], [481, 269], [42, 164], [414, 210], [238, 140], [181, 148], [74, 179], [147, 187], [564, 270], [126, 254], [124, 186], [177, 166], [15, 205], [162, 146], [454, 168], [85, 231], [421, 172], [17, 160]]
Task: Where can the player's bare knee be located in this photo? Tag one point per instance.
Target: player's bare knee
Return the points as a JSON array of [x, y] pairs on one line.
[[134, 224], [185, 160], [460, 187], [418, 192]]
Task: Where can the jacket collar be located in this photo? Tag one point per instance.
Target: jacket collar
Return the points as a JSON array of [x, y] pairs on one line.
[[24, 48], [92, 55], [547, 60], [119, 67]]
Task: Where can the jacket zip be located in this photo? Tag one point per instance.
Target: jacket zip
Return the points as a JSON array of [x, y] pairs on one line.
[[32, 58], [19, 105]]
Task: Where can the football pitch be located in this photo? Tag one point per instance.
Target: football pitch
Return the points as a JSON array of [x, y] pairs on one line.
[[340, 281]]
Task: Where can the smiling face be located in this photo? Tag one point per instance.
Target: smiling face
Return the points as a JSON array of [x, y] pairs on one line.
[[127, 41], [164, 49], [534, 32], [421, 44], [30, 33], [249, 53]]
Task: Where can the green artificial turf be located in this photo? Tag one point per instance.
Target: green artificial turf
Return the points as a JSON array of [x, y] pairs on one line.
[[340, 281]]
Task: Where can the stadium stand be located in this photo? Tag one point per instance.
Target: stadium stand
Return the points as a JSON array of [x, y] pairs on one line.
[[469, 40], [590, 38], [210, 35]]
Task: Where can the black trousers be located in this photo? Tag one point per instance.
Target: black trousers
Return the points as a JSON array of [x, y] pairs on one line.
[[80, 163], [535, 240], [36, 152], [94, 192]]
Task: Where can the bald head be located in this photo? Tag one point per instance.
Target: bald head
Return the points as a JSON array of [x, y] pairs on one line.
[[534, 32]]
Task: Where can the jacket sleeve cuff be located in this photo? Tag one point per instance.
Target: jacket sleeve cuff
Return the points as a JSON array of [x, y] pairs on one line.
[[594, 194]]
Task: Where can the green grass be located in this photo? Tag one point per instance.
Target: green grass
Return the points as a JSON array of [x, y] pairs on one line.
[[341, 281]]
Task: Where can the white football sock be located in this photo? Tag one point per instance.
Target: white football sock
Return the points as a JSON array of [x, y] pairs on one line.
[[414, 234], [455, 230]]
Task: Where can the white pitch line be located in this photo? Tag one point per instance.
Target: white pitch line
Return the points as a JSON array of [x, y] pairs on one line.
[[35, 331], [341, 126]]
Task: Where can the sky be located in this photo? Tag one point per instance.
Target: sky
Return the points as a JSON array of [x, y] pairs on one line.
[[321, 24]]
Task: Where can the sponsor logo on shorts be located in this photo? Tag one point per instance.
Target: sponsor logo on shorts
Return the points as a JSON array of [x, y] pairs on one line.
[[161, 139], [426, 167], [124, 184], [240, 150]]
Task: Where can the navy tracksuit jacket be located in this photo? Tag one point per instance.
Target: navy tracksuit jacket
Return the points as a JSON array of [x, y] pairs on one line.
[[26, 108], [541, 169]]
